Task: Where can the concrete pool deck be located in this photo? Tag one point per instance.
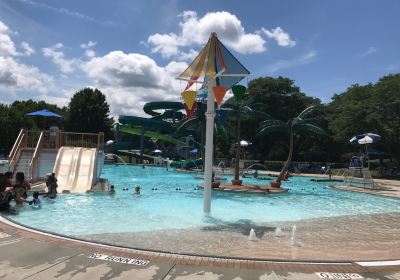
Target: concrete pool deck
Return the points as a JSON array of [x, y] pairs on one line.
[[28, 254]]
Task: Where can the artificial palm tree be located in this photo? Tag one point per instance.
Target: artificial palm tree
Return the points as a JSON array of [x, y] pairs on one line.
[[197, 124], [303, 122], [240, 108]]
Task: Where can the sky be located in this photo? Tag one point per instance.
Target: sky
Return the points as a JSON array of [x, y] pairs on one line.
[[133, 50]]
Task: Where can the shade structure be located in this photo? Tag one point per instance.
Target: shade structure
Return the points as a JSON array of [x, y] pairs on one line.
[[157, 152], [366, 138], [44, 113], [194, 151], [215, 61], [213, 66]]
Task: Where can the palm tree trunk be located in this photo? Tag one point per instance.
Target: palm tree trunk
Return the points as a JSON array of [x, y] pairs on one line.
[[237, 156], [289, 159]]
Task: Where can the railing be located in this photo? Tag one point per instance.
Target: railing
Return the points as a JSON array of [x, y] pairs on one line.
[[39, 140], [85, 140], [16, 150], [34, 162], [32, 137]]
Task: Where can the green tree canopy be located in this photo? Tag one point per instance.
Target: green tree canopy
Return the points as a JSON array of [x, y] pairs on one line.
[[13, 118], [89, 112], [369, 108]]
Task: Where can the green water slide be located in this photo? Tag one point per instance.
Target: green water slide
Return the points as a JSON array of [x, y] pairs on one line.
[[165, 110], [150, 134]]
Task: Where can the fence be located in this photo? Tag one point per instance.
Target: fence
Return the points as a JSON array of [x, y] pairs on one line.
[[85, 140]]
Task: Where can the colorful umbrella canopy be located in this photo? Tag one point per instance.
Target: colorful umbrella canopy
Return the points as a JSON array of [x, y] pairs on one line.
[[44, 113], [366, 138], [214, 60]]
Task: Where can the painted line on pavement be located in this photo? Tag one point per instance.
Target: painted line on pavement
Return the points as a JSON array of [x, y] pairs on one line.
[[379, 263]]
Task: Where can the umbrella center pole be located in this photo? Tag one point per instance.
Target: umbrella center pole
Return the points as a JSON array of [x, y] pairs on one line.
[[208, 162]]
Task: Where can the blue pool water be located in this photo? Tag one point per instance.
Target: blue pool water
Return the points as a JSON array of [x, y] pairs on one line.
[[168, 208]]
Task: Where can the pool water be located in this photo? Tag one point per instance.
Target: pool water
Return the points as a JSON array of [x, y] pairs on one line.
[[170, 200]]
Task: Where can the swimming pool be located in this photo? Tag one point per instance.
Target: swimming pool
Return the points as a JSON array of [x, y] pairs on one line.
[[170, 201]]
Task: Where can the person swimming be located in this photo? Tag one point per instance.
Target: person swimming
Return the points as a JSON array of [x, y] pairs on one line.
[[35, 201], [112, 189], [137, 190], [255, 174]]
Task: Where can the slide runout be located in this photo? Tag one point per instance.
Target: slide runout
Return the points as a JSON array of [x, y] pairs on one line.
[[74, 169], [65, 167], [84, 175]]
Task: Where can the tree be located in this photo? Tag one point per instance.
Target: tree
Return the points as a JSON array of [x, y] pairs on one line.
[[368, 108], [89, 112], [303, 122], [280, 98], [13, 118]]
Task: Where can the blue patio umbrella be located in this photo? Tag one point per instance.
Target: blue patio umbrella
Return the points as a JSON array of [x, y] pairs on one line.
[[44, 113], [194, 151]]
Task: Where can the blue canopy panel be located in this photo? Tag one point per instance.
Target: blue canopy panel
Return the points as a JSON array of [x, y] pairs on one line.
[[225, 59]]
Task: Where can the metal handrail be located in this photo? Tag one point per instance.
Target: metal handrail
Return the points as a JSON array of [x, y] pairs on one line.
[[13, 150], [33, 163], [12, 164]]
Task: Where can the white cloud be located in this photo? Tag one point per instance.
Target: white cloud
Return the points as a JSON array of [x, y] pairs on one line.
[[16, 76], [28, 50], [57, 56], [7, 46], [370, 50], [88, 45], [196, 31], [188, 56], [284, 64], [131, 80], [90, 53], [280, 36]]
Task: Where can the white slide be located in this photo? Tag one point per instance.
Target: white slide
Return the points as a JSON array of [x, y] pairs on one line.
[[74, 169]]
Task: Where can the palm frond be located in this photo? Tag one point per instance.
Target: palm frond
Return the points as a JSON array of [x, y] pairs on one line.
[[307, 111], [186, 124], [272, 128], [310, 127], [272, 122]]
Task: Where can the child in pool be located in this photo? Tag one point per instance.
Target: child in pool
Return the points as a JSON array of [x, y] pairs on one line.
[[112, 189], [137, 190], [35, 201]]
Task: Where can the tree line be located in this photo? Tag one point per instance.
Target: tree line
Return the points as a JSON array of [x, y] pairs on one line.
[[359, 109], [87, 111]]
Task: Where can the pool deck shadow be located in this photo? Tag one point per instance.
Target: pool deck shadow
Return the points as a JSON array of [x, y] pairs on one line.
[[28, 254]]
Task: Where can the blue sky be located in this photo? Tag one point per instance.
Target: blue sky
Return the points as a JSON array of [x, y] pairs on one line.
[[132, 50]]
